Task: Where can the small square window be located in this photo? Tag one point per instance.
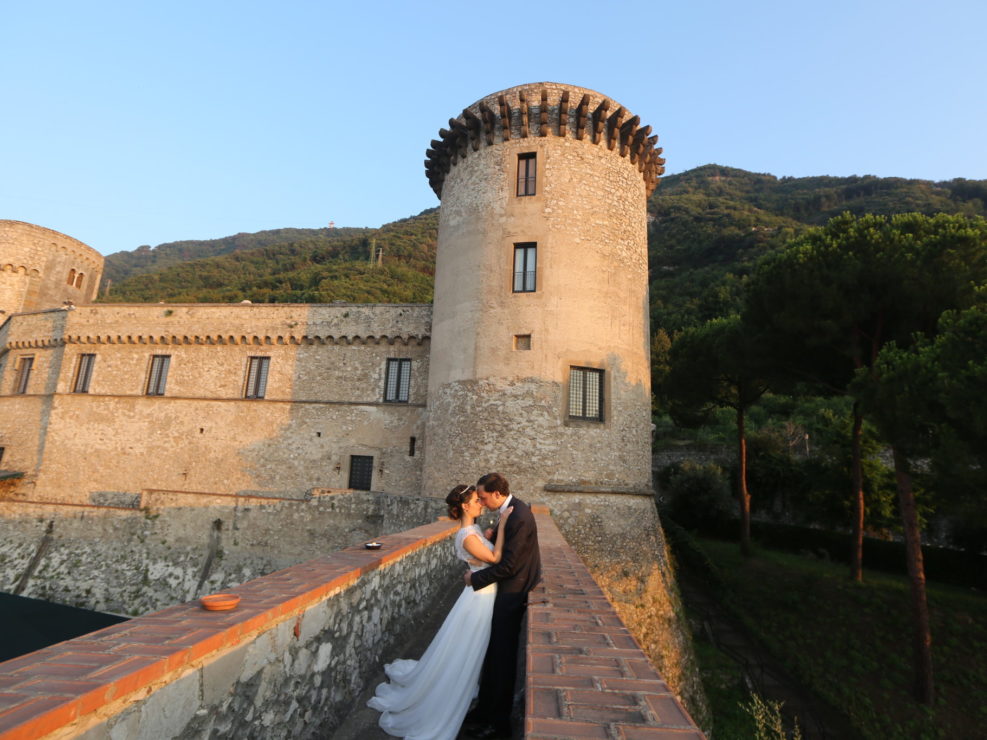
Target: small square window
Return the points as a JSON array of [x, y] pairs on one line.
[[522, 341], [157, 378], [585, 394], [526, 173], [256, 385], [397, 382], [83, 373]]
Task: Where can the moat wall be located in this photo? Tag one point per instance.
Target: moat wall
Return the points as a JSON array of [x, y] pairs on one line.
[[130, 561]]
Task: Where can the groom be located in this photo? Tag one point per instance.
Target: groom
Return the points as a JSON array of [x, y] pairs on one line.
[[516, 574]]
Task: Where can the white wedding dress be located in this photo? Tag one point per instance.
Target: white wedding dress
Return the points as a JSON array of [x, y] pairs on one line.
[[428, 698]]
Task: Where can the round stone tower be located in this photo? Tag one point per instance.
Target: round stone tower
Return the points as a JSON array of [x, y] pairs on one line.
[[41, 268], [539, 362]]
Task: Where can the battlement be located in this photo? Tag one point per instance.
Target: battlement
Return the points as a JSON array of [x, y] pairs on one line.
[[545, 109]]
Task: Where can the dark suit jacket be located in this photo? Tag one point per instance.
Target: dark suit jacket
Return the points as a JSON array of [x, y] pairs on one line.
[[519, 568]]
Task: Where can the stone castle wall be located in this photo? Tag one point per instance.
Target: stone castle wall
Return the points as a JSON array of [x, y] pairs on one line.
[[323, 403], [40, 268]]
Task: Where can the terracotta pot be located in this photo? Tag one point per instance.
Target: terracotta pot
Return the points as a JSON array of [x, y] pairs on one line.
[[219, 602]]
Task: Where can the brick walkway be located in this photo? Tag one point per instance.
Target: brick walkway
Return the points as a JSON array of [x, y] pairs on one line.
[[587, 677]]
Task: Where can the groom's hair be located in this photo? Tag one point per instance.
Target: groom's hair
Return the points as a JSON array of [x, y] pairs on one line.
[[495, 482]]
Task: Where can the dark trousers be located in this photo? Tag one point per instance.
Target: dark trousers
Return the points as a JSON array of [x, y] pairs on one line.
[[496, 695]]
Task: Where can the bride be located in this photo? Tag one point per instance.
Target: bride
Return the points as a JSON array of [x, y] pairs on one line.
[[428, 698]]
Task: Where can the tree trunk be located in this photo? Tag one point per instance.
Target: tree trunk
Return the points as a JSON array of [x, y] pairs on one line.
[[857, 481], [743, 495], [916, 574]]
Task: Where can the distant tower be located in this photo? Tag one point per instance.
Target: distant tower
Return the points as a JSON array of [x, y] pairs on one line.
[[540, 362], [41, 268]]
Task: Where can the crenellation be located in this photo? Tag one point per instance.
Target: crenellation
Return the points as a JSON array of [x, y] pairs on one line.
[[538, 115]]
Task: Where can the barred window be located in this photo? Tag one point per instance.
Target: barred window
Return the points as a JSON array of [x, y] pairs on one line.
[[525, 258], [257, 377], [526, 173], [83, 373], [585, 393], [157, 378], [397, 380], [23, 374]]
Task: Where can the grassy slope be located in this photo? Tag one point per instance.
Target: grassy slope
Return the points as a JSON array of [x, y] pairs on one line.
[[851, 642]]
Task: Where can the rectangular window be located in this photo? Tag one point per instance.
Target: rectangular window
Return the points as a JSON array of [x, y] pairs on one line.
[[157, 378], [585, 393], [361, 472], [257, 377], [526, 170], [397, 381], [23, 374], [525, 257], [83, 373], [522, 341]]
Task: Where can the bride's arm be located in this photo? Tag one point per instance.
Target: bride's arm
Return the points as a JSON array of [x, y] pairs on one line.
[[478, 550]]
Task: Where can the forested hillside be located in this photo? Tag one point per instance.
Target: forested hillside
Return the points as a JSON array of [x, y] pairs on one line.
[[305, 266], [122, 265], [707, 227]]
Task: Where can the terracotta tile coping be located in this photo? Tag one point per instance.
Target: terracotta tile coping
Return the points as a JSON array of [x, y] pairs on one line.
[[586, 675], [48, 689]]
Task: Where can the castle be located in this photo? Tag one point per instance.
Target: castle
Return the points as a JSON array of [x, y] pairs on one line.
[[532, 360]]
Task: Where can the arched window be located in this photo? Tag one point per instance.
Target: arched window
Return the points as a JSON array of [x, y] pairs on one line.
[[78, 280], [71, 279]]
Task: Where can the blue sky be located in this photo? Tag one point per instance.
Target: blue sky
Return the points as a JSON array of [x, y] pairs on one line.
[[130, 123]]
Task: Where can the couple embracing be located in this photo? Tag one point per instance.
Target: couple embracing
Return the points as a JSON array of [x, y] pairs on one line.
[[477, 644]]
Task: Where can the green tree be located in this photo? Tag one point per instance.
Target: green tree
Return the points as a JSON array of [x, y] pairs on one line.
[[829, 302], [717, 366]]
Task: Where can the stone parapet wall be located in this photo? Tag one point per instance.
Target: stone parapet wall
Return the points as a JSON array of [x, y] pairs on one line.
[[128, 561], [288, 662]]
